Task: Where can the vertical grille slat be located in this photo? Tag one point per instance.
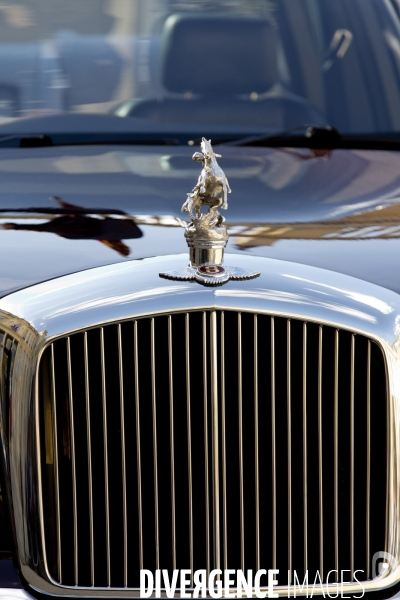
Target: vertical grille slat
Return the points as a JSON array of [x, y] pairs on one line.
[[352, 458], [73, 461], [189, 443], [89, 455], [289, 449], [256, 450], [223, 442], [215, 436], [206, 457], [273, 443], [172, 448], [320, 460], [155, 457], [56, 465], [305, 502], [138, 452], [212, 440], [240, 444], [105, 441], [336, 452], [123, 454], [368, 465]]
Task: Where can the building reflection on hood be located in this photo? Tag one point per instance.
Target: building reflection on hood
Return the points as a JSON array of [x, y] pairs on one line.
[[76, 223], [111, 226]]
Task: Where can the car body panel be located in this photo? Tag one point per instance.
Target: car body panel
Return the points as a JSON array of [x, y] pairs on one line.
[[39, 315], [329, 209]]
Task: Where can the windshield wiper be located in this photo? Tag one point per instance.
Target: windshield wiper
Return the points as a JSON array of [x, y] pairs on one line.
[[28, 141], [321, 136], [314, 133], [82, 139]]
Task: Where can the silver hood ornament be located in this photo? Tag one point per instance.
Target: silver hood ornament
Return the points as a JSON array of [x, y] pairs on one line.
[[206, 234]]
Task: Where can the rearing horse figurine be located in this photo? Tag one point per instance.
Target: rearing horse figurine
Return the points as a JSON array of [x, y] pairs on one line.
[[212, 189]]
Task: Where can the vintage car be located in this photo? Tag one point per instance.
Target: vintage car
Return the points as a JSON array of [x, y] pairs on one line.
[[199, 360]]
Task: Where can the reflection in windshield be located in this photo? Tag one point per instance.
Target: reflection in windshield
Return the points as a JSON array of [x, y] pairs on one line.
[[235, 65], [75, 223]]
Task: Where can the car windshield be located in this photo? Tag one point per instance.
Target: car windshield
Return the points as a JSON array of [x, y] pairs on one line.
[[227, 66]]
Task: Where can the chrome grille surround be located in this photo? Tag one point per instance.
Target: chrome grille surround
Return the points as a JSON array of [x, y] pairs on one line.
[[105, 354], [125, 292]]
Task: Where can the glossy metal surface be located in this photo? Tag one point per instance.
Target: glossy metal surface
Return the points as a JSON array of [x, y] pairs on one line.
[[320, 461], [329, 209], [305, 490], [73, 462], [206, 459], [13, 594], [206, 234], [154, 414], [240, 444], [123, 454], [37, 316], [138, 453], [56, 474], [119, 291], [256, 458], [352, 457], [336, 453], [214, 434], [189, 438], [368, 452], [212, 189], [172, 447], [223, 436], [289, 448], [105, 437], [207, 274], [273, 443], [89, 454]]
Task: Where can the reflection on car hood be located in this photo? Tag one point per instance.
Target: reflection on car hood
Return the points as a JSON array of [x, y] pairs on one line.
[[66, 209]]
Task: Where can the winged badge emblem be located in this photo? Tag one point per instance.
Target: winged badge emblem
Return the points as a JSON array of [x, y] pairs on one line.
[[206, 234]]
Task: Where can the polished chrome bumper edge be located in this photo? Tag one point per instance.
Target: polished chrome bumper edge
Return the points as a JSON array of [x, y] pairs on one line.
[[14, 594]]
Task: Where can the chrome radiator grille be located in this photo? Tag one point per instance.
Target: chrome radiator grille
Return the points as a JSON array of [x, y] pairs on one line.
[[211, 439]]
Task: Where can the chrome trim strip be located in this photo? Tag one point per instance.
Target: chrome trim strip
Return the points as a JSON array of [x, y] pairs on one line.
[[131, 289], [336, 452], [138, 453], [89, 453], [155, 458], [14, 594], [320, 462], [171, 436], [105, 438], [55, 459], [189, 442], [273, 443], [123, 453], [256, 454], [214, 437], [24, 564], [223, 442], [289, 449], [368, 461], [305, 500], [392, 452], [73, 460], [240, 420], [352, 458], [206, 484]]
